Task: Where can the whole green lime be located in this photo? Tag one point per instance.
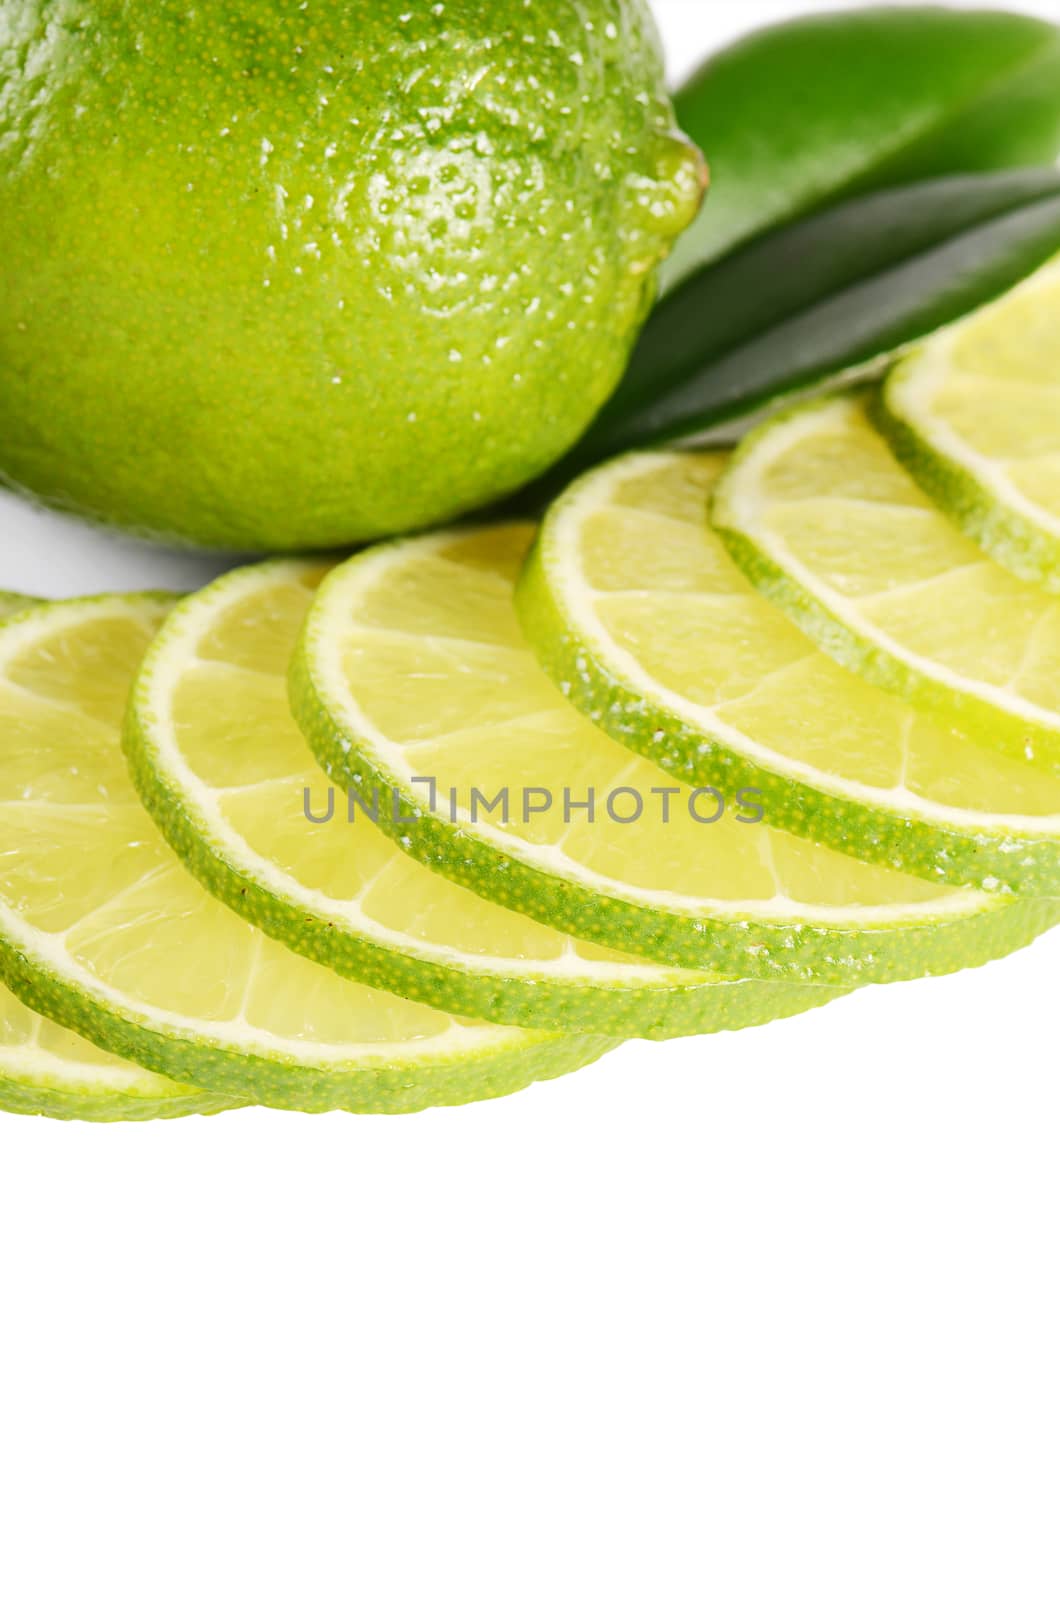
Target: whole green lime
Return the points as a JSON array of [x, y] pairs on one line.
[[281, 273]]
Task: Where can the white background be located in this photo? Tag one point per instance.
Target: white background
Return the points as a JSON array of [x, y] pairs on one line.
[[762, 1316]]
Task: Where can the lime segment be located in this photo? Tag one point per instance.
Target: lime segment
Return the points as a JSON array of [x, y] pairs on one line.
[[224, 770], [104, 931], [975, 416], [720, 687], [411, 667]]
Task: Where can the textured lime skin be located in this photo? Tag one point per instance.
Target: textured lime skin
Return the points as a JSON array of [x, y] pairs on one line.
[[818, 953], [58, 1105], [32, 1084], [260, 256], [371, 1086]]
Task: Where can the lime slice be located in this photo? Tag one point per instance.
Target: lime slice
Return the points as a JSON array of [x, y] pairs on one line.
[[975, 416], [719, 687], [411, 667], [47, 1071], [224, 770], [825, 521], [103, 930]]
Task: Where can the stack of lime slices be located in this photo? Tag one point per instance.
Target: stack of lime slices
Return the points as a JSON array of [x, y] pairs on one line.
[[727, 738]]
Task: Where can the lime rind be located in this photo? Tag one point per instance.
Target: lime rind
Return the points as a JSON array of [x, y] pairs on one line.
[[49, 1099], [1013, 538], [52, 1101], [590, 997], [234, 1058], [82, 1084], [989, 507], [817, 945], [995, 717], [474, 1065], [13, 604]]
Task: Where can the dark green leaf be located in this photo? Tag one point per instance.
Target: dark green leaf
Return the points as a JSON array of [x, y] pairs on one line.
[[817, 110], [825, 298]]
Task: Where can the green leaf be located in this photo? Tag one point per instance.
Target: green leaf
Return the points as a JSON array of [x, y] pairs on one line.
[[825, 299], [817, 110]]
